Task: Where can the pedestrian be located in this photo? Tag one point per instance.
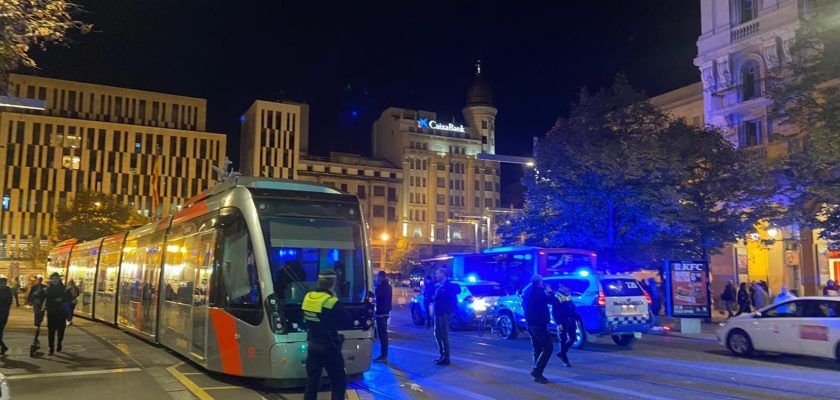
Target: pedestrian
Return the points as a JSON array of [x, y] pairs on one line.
[[761, 297], [728, 297], [445, 303], [325, 316], [56, 305], [655, 300], [565, 316], [5, 308], [37, 295], [16, 291], [535, 302], [428, 299], [743, 299], [73, 293], [830, 289], [384, 294], [784, 295]]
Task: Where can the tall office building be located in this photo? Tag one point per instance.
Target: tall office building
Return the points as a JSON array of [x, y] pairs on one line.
[[99, 138], [448, 192], [273, 136]]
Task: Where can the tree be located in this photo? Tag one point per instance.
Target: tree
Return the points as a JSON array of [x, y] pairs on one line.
[[806, 96], [404, 255], [622, 178], [33, 23], [93, 215], [35, 255]]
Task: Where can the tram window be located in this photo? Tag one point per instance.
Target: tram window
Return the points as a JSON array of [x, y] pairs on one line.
[[238, 285]]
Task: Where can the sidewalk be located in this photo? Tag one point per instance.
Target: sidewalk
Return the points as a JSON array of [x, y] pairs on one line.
[[671, 327]]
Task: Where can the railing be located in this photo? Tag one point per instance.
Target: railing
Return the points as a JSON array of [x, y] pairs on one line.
[[776, 150], [743, 31]]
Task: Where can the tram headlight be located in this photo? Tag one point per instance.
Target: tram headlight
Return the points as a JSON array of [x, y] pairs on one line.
[[278, 326]]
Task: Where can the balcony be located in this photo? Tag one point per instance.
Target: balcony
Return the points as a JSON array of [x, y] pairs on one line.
[[743, 31], [773, 151]]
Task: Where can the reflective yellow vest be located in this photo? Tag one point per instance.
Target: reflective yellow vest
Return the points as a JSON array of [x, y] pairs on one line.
[[315, 302]]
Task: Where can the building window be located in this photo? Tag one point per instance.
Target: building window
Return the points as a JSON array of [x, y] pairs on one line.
[[392, 194], [484, 124], [747, 9], [441, 200], [441, 216], [344, 187], [750, 134], [378, 211], [750, 81], [379, 191], [441, 183], [441, 167], [360, 191], [392, 214], [418, 233]]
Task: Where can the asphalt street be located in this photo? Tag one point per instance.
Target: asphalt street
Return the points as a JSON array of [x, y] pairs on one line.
[[101, 360]]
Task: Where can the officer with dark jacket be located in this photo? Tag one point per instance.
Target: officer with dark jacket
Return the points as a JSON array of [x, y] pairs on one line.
[[325, 316], [383, 294], [429, 287], [564, 314], [446, 303], [535, 302], [5, 306], [56, 301]]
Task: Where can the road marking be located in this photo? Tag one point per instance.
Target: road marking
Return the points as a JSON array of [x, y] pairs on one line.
[[73, 373], [352, 395], [222, 387], [554, 377], [190, 385]]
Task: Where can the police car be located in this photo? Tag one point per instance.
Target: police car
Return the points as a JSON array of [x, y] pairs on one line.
[[805, 325], [607, 305], [474, 299]]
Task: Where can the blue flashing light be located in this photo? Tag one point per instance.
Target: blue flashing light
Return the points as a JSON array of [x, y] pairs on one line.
[[242, 119], [472, 278], [284, 252], [354, 113], [584, 273], [334, 255]]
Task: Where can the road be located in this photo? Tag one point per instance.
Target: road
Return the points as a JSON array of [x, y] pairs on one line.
[[100, 359]]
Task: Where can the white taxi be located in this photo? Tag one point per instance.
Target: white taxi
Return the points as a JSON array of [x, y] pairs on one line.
[[804, 325]]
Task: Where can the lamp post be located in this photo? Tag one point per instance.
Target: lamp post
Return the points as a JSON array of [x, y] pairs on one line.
[[384, 238]]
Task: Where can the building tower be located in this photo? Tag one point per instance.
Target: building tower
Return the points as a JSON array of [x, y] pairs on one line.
[[480, 113], [273, 135]]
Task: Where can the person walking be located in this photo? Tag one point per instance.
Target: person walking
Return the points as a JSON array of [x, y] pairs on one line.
[[743, 300], [728, 298], [445, 303], [535, 302], [16, 291], [429, 299], [325, 316], [831, 289], [761, 297], [565, 317], [384, 294], [73, 293], [5, 308], [655, 300], [56, 304]]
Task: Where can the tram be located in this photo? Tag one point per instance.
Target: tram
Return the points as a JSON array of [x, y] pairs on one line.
[[222, 281]]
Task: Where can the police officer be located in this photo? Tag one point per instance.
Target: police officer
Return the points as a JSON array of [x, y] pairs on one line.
[[445, 304], [384, 294], [535, 302], [325, 316], [563, 311], [5, 307]]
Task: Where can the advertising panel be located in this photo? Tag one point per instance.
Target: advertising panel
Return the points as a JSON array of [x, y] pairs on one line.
[[687, 284]]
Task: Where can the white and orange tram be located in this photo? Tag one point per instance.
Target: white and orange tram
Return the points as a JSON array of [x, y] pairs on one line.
[[222, 281]]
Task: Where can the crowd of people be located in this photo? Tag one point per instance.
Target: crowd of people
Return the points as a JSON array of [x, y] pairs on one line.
[[756, 295], [55, 301]]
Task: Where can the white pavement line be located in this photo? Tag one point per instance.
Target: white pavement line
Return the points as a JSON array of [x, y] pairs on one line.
[[73, 373], [428, 383], [735, 371], [554, 377]]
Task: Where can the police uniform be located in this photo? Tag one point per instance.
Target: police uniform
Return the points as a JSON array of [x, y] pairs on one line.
[[324, 316], [564, 317]]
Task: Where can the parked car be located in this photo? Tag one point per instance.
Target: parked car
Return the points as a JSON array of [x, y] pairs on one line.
[[475, 298], [806, 326], [615, 306]]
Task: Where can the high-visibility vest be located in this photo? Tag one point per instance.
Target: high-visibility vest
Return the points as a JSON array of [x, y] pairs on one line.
[[563, 297], [315, 302]]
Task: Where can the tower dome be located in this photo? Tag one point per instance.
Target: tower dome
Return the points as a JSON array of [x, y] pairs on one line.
[[479, 93]]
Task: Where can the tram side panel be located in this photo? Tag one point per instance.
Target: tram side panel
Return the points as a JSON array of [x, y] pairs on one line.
[[107, 275], [139, 280], [82, 271]]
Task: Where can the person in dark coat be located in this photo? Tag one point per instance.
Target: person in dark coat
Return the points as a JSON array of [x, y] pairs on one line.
[[446, 303], [57, 298], [728, 297], [535, 302], [5, 307], [428, 299], [384, 294], [564, 313], [744, 300]]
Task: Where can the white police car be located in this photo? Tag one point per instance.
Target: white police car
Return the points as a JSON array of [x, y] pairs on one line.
[[805, 325]]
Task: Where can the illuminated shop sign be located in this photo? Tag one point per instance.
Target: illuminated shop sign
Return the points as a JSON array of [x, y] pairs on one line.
[[426, 123]]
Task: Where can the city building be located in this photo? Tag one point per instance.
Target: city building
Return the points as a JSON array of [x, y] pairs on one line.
[[743, 44], [685, 102], [99, 138], [449, 194], [378, 184], [273, 136]]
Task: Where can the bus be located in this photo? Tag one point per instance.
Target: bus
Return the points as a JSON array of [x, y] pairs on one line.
[[222, 281], [513, 266]]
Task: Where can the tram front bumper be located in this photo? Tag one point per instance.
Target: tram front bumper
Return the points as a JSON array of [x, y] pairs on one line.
[[288, 360]]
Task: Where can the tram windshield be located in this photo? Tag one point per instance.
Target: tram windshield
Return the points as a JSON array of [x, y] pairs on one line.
[[301, 247]]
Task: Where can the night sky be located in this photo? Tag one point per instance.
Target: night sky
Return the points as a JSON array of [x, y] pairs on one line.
[[351, 59]]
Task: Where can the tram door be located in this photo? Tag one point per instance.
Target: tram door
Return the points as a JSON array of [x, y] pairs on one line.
[[205, 243]]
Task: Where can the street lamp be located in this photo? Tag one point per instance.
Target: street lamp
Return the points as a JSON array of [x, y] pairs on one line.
[[384, 238]]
